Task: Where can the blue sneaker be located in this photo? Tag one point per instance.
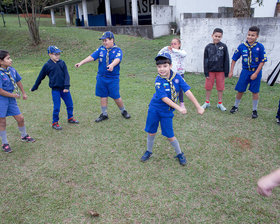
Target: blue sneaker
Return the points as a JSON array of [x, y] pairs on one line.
[[146, 156], [181, 158]]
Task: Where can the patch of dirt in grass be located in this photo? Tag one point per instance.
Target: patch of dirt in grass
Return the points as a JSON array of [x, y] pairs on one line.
[[242, 143], [131, 75]]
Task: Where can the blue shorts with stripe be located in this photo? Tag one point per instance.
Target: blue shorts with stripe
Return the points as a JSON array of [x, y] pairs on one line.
[[245, 79], [155, 117], [107, 87], [8, 107]]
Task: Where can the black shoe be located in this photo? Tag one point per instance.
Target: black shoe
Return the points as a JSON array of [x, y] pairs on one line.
[[56, 126], [27, 138], [72, 120], [254, 114], [125, 114], [6, 148], [278, 121], [234, 109], [102, 117]]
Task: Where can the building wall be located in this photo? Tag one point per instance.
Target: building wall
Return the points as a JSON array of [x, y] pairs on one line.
[[201, 6], [265, 10], [196, 34], [161, 17], [197, 6]]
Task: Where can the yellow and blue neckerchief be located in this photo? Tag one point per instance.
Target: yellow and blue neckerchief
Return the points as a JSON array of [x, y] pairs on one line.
[[250, 53], [8, 73], [172, 87]]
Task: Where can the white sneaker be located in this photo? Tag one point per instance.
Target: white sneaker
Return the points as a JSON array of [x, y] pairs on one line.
[[206, 105], [221, 107]]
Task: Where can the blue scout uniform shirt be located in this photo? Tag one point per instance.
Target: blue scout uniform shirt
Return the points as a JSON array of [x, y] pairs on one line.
[[163, 90], [6, 83], [250, 61], [101, 54], [57, 73]]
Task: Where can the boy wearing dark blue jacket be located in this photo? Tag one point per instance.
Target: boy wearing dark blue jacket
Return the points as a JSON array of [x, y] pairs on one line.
[[59, 82]]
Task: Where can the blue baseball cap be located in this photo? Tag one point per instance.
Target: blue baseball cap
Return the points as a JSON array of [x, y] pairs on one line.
[[107, 34], [163, 55], [53, 50]]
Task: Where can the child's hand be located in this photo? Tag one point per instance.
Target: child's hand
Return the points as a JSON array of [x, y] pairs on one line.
[[66, 90], [230, 74], [24, 96], [110, 67], [200, 110], [170, 48], [265, 186], [183, 110], [254, 76], [77, 65], [17, 96]]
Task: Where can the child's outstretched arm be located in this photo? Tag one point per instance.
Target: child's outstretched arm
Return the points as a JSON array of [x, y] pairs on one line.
[[86, 60], [7, 94], [170, 103], [230, 74], [191, 97], [267, 183], [20, 86], [41, 76]]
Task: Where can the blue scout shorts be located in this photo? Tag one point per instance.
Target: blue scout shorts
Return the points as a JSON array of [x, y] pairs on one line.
[[244, 80], [8, 107], [165, 120], [106, 86]]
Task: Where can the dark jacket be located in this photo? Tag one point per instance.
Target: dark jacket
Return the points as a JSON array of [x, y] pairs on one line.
[[57, 73], [216, 59]]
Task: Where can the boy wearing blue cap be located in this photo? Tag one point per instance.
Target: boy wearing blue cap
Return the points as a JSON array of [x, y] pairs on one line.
[[59, 82], [107, 79], [253, 58], [163, 103]]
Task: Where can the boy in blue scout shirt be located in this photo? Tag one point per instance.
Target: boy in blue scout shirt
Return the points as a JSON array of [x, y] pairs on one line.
[[59, 82], [163, 103], [10, 82], [253, 58], [107, 79]]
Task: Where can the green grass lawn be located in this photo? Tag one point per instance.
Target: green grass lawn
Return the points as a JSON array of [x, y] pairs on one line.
[[96, 166]]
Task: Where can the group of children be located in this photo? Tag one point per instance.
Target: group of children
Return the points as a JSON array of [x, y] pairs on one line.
[[169, 84]]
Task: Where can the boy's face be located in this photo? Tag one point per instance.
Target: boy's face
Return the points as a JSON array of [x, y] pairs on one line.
[[108, 43], [252, 37], [6, 62], [55, 57], [164, 69], [217, 37]]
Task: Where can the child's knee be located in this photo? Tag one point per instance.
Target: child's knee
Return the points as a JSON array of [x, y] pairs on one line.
[[2, 121], [171, 139], [20, 118]]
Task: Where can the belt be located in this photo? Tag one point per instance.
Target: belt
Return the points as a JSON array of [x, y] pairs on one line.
[[251, 69]]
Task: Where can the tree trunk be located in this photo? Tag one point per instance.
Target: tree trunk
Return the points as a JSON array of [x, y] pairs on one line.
[[72, 10], [33, 27], [242, 8]]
